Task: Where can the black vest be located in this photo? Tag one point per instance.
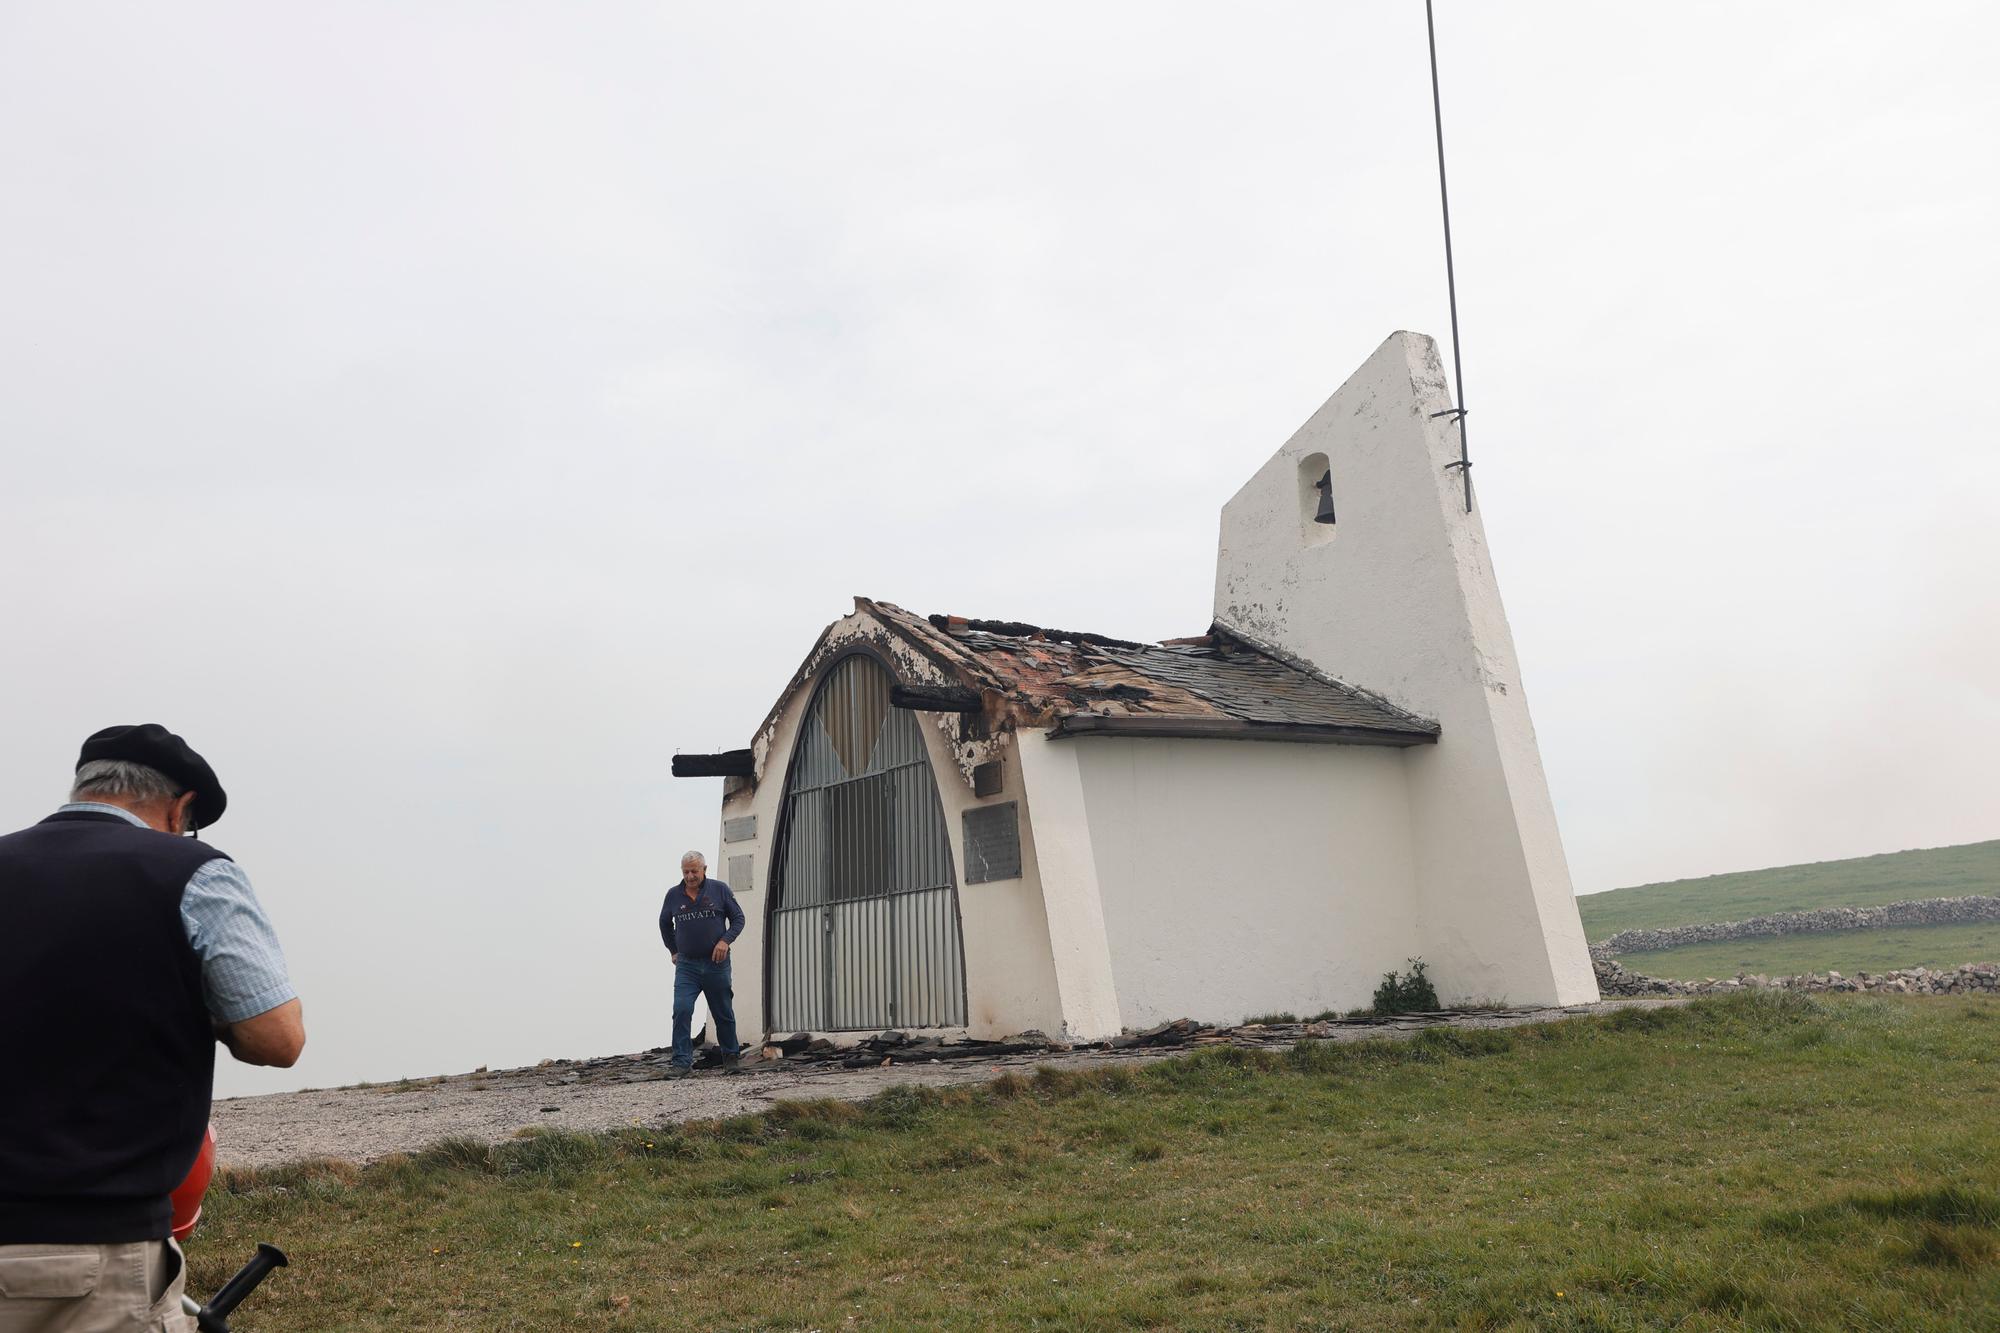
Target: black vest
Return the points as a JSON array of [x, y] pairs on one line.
[[107, 1054]]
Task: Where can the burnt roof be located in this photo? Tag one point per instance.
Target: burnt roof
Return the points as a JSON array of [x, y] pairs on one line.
[[1218, 684]]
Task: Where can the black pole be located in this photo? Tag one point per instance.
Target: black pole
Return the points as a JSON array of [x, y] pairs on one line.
[[1464, 463]]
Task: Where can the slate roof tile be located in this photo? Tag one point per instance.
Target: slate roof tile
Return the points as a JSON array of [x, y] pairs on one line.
[[1078, 682]]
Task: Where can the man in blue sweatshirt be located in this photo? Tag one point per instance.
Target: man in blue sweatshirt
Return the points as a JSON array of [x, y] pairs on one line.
[[698, 922]]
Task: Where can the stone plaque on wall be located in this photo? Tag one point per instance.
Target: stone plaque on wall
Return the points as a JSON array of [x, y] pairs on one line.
[[992, 843], [739, 873], [741, 829]]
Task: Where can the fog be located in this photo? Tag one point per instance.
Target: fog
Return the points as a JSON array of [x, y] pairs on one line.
[[441, 415]]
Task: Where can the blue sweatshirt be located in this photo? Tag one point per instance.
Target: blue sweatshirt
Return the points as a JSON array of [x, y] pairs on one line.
[[690, 926]]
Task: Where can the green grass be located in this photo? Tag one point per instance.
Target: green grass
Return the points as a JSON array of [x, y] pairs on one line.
[[1936, 872], [1761, 1161], [1847, 951]]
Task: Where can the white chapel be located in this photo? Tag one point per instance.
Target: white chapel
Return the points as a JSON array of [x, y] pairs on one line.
[[960, 825]]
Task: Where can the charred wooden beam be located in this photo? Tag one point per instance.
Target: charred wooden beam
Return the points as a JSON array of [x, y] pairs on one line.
[[934, 698], [1015, 629], [728, 764], [1229, 728]]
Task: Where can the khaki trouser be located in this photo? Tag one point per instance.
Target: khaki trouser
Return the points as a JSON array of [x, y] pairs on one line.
[[130, 1288]]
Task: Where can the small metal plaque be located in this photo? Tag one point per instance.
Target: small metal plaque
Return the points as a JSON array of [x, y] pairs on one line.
[[992, 843], [741, 829], [987, 779], [739, 873]]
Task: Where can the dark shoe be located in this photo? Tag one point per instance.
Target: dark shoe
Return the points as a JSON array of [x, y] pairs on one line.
[[679, 1071]]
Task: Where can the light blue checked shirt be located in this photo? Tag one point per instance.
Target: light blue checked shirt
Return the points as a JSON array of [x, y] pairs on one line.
[[242, 968]]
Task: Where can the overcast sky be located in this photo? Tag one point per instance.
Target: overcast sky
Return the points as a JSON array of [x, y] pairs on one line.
[[440, 414]]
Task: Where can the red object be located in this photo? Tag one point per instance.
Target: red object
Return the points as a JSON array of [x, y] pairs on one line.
[[187, 1199]]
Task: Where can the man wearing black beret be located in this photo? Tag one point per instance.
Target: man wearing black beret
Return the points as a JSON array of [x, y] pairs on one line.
[[128, 948]]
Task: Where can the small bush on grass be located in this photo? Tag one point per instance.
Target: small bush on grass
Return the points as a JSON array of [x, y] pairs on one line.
[[1410, 993]]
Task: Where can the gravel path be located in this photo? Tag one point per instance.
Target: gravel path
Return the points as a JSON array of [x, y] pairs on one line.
[[362, 1124]]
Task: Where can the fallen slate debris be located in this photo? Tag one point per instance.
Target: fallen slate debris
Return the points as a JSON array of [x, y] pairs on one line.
[[365, 1123], [900, 1048], [1176, 1033], [802, 1051]]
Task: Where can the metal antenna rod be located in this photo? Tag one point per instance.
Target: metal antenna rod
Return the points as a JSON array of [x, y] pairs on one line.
[[1464, 463]]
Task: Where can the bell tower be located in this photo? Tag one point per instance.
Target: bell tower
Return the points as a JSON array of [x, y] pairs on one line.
[[1352, 549]]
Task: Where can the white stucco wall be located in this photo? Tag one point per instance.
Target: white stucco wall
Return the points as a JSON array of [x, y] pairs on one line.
[[1243, 877], [1399, 597], [1010, 971], [1063, 837]]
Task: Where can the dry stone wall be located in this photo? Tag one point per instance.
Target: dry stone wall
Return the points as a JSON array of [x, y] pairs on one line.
[[1966, 979], [1914, 912]]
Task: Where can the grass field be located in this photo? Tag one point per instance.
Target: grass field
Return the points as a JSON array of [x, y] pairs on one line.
[[1847, 951], [1937, 872], [1761, 1161]]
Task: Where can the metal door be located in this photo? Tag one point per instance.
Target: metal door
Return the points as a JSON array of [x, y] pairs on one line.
[[864, 906]]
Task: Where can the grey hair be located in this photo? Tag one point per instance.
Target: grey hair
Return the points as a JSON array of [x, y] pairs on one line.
[[119, 777], [694, 856]]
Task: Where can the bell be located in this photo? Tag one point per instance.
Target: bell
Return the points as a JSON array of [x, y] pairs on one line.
[[1325, 486]]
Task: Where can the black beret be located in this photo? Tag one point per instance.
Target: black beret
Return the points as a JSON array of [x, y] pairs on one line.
[[153, 745]]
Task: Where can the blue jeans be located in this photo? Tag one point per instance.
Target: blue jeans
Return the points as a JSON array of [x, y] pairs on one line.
[[698, 976]]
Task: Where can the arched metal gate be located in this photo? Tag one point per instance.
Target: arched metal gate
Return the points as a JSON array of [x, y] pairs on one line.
[[864, 930]]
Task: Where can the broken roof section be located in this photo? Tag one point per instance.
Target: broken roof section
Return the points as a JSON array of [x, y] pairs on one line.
[[1218, 685]]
